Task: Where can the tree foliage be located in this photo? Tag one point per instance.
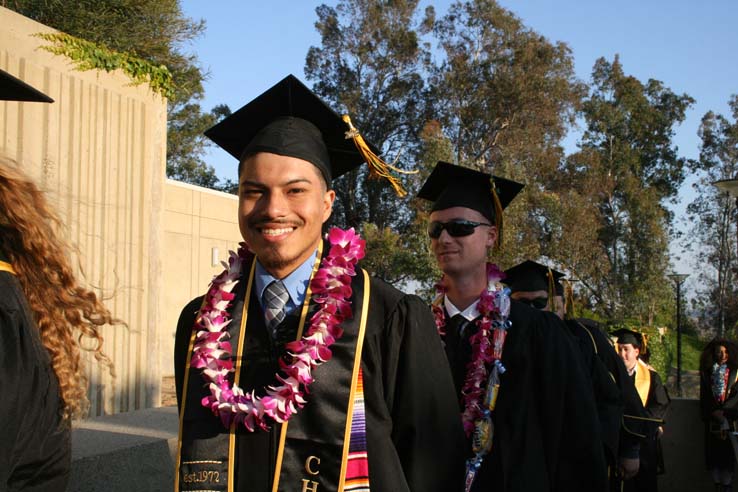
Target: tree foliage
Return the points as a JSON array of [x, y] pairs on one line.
[[505, 97], [628, 167], [370, 65], [713, 215], [156, 31]]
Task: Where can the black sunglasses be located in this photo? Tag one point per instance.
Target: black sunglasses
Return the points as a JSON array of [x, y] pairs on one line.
[[537, 303], [455, 228]]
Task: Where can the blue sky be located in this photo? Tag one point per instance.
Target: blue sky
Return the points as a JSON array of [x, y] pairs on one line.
[[690, 46]]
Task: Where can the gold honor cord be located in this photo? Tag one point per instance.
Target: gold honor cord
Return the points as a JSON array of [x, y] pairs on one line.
[[354, 381], [377, 167], [625, 426], [182, 403], [6, 267], [594, 344], [237, 375], [301, 326], [645, 419]]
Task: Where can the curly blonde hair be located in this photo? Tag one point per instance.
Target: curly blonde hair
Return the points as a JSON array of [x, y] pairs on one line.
[[64, 311]]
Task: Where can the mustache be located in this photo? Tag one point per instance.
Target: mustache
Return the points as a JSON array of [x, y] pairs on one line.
[[257, 222]]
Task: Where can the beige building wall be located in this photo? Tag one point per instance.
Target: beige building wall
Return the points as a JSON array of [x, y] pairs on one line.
[[199, 228], [99, 150]]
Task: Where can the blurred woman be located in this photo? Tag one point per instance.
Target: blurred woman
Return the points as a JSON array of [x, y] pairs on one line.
[[44, 315], [719, 405]]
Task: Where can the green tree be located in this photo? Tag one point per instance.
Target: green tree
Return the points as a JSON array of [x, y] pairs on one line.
[[506, 97], [369, 65], [156, 31], [629, 168], [713, 216]]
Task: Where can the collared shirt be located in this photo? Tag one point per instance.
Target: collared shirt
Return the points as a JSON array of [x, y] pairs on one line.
[[296, 282], [470, 314]]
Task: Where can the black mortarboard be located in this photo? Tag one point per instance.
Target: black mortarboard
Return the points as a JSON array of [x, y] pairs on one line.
[[289, 119], [530, 276], [626, 336], [450, 185], [14, 89]]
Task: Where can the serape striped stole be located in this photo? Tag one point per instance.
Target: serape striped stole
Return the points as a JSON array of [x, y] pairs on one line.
[[357, 470]]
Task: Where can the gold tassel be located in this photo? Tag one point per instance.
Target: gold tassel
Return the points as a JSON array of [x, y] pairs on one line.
[[569, 312], [644, 343], [551, 292], [377, 167], [498, 213]]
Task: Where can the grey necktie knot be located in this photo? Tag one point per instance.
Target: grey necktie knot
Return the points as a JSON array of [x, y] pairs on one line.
[[275, 298]]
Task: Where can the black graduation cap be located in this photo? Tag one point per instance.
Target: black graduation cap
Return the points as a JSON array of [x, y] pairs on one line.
[[530, 276], [450, 185], [289, 119], [14, 89], [626, 336]]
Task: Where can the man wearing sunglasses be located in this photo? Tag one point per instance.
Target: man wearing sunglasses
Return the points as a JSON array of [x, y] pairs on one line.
[[528, 409]]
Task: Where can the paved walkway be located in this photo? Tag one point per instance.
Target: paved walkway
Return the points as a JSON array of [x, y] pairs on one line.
[[690, 384]]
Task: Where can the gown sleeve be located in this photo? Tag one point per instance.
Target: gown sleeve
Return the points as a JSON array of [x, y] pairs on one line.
[[36, 445], [426, 421], [606, 393], [572, 436], [658, 400], [182, 344]]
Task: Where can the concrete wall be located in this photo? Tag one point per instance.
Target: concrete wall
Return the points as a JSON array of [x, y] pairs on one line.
[[199, 226], [99, 150]]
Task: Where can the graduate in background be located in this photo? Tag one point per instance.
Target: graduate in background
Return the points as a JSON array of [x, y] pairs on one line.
[[655, 399], [43, 314], [719, 409], [528, 409], [537, 285], [620, 409], [298, 371]]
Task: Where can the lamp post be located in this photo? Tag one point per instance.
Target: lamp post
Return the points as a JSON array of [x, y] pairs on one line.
[[730, 186], [678, 278]]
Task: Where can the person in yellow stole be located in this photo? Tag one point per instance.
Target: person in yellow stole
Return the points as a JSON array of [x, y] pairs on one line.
[[297, 370], [655, 399]]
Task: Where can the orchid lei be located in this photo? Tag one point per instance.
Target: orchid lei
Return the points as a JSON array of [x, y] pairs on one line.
[[212, 351], [494, 306], [481, 386]]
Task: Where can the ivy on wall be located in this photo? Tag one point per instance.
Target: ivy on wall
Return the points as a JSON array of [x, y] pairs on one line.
[[90, 56]]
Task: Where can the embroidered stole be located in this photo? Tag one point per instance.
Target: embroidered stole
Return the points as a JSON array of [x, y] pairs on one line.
[[321, 448], [642, 380]]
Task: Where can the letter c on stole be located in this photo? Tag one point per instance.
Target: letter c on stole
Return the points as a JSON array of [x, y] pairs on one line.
[[308, 465]]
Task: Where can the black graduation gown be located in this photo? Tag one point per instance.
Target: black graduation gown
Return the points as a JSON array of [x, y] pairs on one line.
[[631, 427], [414, 434], [35, 445], [546, 428], [718, 452], [652, 459], [606, 392]]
